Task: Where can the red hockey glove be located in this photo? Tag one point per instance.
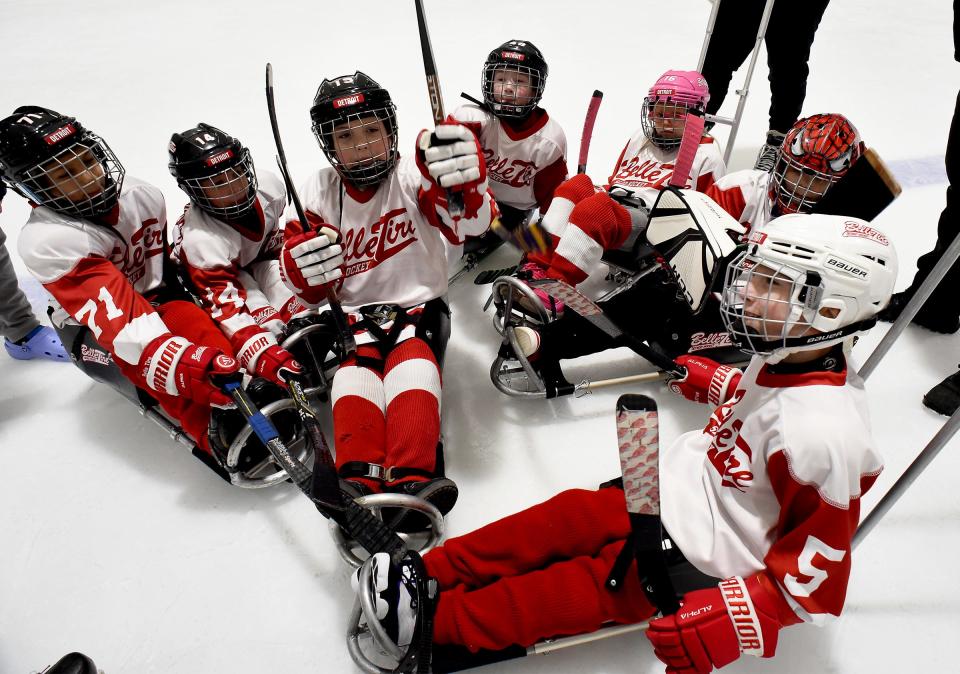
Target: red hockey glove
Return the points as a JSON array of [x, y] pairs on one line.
[[260, 355], [450, 158], [707, 381], [277, 364], [713, 627], [310, 262], [177, 367]]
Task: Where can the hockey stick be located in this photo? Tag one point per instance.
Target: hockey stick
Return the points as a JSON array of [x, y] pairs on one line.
[[866, 189], [587, 134], [582, 305], [454, 199], [348, 343], [638, 435], [692, 133], [361, 524]]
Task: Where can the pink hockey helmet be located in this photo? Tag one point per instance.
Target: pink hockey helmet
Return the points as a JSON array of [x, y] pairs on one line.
[[681, 86], [665, 107]]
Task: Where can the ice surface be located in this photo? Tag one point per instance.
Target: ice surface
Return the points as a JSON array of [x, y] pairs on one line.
[[118, 543]]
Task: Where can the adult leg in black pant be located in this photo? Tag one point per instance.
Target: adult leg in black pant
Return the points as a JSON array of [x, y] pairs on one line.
[[941, 311]]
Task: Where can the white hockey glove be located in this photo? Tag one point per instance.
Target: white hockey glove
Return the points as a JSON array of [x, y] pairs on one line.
[[450, 157], [310, 262]]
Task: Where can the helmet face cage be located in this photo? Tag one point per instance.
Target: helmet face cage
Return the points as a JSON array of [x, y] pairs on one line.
[[361, 146], [83, 180], [512, 90], [816, 153], [228, 194], [663, 121], [797, 188], [766, 303]]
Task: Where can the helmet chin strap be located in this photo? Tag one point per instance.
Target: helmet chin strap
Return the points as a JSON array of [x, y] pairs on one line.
[[780, 349]]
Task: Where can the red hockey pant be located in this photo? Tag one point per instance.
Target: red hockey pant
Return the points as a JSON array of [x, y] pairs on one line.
[[537, 574], [390, 419], [190, 321]]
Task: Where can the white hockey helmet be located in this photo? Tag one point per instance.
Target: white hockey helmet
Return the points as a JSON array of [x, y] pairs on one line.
[[805, 282]]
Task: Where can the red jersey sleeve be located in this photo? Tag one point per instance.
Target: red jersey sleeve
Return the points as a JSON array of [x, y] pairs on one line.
[[808, 565], [546, 182], [97, 294]]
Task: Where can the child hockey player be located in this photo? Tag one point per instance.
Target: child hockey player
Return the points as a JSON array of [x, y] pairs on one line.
[[818, 152], [584, 223], [382, 224], [524, 149], [228, 243], [96, 242], [766, 496]]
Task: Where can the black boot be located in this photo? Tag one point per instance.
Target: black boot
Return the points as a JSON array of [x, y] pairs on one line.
[[944, 398], [441, 492], [72, 663]]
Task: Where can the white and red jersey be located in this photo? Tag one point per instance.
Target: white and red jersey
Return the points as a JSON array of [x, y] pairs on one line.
[[646, 169], [236, 269], [98, 273], [746, 196], [525, 163], [772, 485], [392, 236]]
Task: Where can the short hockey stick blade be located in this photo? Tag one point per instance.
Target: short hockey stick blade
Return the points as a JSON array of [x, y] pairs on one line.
[[692, 133], [638, 435], [863, 192], [587, 134]]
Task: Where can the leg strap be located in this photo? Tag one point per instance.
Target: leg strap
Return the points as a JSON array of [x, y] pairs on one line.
[[353, 469]]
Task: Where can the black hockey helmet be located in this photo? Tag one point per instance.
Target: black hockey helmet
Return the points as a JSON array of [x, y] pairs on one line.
[[52, 160], [349, 102], [215, 170], [514, 57]]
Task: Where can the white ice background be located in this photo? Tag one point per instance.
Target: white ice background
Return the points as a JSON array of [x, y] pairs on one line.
[[116, 542]]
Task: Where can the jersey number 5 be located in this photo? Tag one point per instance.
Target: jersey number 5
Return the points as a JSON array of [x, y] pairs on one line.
[[89, 309], [813, 547]]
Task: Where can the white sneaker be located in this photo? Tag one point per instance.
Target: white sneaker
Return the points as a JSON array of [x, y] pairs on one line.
[[395, 609], [528, 340]]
